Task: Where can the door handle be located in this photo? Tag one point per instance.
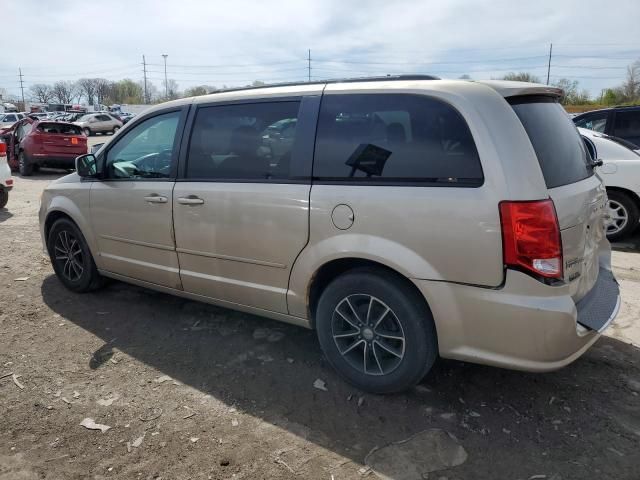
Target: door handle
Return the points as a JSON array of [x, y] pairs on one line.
[[190, 200], [156, 199]]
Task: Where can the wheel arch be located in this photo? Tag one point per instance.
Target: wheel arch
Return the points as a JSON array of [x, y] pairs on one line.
[[630, 193], [332, 269], [64, 208]]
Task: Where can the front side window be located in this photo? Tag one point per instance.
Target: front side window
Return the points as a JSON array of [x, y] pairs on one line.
[[594, 121], [10, 118], [146, 151], [393, 138], [243, 142]]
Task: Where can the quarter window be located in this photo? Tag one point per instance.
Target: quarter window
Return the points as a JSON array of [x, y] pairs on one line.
[[146, 151], [243, 142]]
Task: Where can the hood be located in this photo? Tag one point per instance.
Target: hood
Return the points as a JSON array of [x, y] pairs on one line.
[[71, 178]]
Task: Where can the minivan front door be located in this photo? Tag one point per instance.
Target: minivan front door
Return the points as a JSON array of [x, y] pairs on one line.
[[131, 208], [241, 211]]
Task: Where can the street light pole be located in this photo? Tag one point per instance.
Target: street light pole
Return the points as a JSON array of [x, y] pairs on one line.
[[166, 85]]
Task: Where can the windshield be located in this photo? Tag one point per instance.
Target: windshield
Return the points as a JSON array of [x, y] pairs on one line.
[[560, 150]]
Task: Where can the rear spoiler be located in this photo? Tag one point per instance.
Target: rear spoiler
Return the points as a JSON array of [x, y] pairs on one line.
[[515, 89]]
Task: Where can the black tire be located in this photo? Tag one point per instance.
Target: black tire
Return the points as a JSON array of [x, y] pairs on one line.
[[115, 130], [68, 272], [630, 208], [86, 131], [408, 317], [36, 167], [24, 167], [4, 197]]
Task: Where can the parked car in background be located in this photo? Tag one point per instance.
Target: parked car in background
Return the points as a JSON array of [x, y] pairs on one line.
[[620, 122], [399, 217], [101, 122], [35, 143], [8, 119], [620, 172], [6, 182]]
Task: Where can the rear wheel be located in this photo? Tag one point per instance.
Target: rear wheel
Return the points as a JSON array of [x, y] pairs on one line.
[[24, 167], [86, 131], [623, 215], [4, 197], [376, 331], [71, 257]]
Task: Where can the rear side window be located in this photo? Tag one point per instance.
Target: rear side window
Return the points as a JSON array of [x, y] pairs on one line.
[[560, 150], [59, 128], [627, 125], [243, 142], [394, 138]]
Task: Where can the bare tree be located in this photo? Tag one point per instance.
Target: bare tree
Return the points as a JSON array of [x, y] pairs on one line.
[[631, 86], [521, 77], [41, 92], [87, 88], [64, 92], [171, 88], [103, 88]]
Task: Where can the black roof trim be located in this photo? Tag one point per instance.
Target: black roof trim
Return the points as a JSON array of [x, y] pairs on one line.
[[385, 78]]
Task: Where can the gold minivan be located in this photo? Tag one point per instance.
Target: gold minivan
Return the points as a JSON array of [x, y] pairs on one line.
[[402, 218]]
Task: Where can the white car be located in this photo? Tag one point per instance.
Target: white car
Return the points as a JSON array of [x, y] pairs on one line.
[[620, 172], [8, 119], [6, 182]]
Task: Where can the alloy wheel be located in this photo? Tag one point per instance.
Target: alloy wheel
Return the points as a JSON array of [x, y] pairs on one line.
[[368, 334], [618, 217], [68, 255]]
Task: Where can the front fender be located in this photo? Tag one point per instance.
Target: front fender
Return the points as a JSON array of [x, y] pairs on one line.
[[74, 203], [357, 246]]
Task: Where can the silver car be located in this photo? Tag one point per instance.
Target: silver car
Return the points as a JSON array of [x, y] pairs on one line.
[[400, 218], [92, 123]]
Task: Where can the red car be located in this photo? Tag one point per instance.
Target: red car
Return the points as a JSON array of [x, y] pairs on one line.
[[32, 143]]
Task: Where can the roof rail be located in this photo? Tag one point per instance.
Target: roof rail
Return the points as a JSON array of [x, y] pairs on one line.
[[382, 78]]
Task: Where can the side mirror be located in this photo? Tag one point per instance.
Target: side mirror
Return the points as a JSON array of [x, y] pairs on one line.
[[86, 166], [96, 147]]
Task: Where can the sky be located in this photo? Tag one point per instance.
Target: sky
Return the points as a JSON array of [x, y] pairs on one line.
[[235, 42]]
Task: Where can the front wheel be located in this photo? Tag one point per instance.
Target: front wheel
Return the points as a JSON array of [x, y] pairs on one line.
[[71, 257], [623, 215], [376, 331], [86, 132], [115, 130], [24, 167]]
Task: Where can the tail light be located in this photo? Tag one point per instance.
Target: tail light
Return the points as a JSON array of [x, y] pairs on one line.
[[531, 237], [9, 182], [3, 149]]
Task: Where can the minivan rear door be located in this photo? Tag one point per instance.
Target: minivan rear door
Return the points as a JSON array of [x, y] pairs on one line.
[[578, 195]]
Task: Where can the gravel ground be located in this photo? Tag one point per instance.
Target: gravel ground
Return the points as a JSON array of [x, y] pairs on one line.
[[194, 391]]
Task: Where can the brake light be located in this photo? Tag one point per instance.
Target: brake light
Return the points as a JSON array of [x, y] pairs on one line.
[[531, 237], [3, 149], [9, 182], [74, 141]]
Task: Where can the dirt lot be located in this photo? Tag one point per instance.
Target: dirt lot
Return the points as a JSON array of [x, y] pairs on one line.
[[195, 391]]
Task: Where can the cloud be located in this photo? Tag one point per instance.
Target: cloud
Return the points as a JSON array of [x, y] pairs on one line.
[[236, 42]]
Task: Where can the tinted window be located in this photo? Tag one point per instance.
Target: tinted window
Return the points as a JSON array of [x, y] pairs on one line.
[[627, 125], [59, 128], [249, 141], [591, 148], [104, 118], [560, 150], [146, 151], [593, 121], [10, 118], [394, 138]]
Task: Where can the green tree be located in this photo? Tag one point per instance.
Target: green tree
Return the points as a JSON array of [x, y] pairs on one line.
[[199, 90]]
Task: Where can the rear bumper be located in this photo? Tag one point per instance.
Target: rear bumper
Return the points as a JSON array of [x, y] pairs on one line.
[[524, 325]]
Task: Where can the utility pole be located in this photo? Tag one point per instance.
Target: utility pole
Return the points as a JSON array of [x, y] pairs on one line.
[[24, 107], [549, 65], [309, 65], [144, 72], [166, 85]]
